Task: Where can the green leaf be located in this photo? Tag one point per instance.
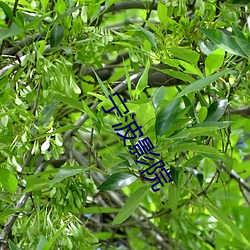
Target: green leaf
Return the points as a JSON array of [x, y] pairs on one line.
[[104, 89], [186, 54], [245, 2], [13, 246], [98, 210], [49, 244], [193, 132], [223, 41], [56, 35], [216, 110], [158, 97], [34, 183], [173, 196], [8, 180], [7, 10], [117, 181], [143, 81], [166, 117], [227, 223], [41, 243], [9, 32], [66, 172], [70, 101], [177, 74], [198, 175], [147, 35], [132, 203], [9, 211], [219, 125], [197, 85], [162, 12], [214, 61], [202, 114]]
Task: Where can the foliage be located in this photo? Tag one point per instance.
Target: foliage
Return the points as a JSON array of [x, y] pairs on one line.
[[67, 181]]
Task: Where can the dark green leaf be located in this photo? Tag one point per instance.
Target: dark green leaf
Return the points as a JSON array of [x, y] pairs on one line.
[[166, 117], [177, 74], [67, 172], [245, 2], [132, 203], [8, 180], [7, 10], [198, 175], [13, 246], [216, 110], [223, 41], [197, 85], [117, 181], [56, 35]]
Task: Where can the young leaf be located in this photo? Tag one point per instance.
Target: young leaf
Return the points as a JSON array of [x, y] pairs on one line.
[[49, 244], [56, 35], [143, 81], [8, 180], [162, 12], [104, 89], [117, 181], [166, 117], [214, 61], [132, 203]]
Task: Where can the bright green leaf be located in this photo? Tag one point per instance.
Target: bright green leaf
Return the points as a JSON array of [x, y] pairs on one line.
[[214, 61], [229, 224], [143, 81], [8, 180]]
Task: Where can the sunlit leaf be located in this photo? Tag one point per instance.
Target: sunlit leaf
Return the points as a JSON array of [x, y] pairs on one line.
[[8, 180]]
